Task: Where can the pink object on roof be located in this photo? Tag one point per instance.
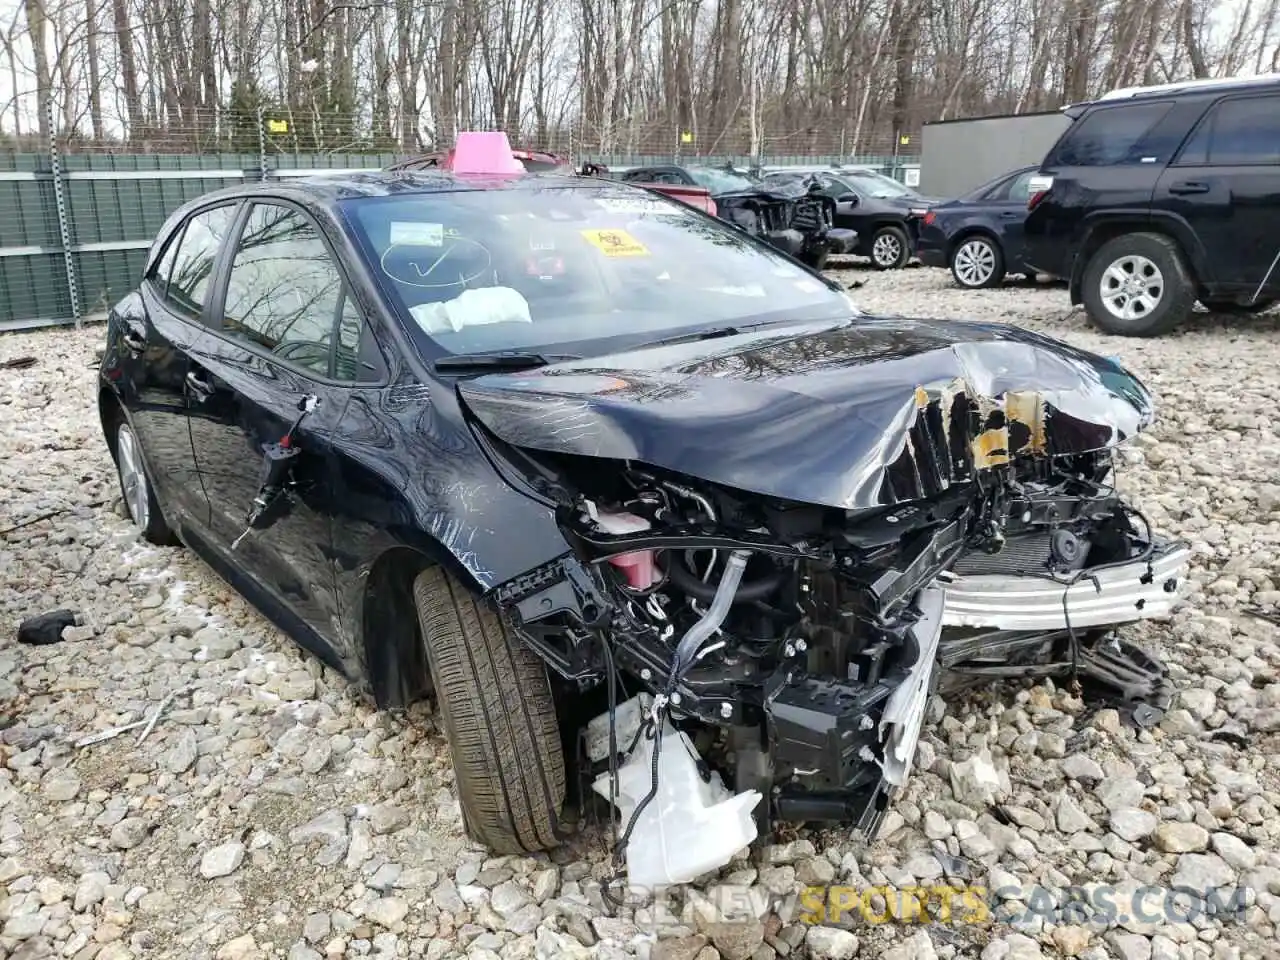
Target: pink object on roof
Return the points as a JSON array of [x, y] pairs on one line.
[[484, 153]]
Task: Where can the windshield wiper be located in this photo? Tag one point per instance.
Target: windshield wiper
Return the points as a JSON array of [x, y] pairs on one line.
[[501, 360], [713, 334]]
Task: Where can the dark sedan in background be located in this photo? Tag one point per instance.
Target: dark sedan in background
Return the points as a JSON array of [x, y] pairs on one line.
[[980, 236], [885, 214]]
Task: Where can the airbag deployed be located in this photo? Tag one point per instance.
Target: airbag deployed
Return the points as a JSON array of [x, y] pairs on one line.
[[473, 308]]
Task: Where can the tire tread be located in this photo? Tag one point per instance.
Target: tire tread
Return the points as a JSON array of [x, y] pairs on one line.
[[499, 717]]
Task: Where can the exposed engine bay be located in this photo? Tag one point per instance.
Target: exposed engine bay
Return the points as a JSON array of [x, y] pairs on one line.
[[802, 642]]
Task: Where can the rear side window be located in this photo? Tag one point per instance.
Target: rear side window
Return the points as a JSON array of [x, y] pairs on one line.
[[1236, 132], [191, 274], [1013, 189], [1109, 136]]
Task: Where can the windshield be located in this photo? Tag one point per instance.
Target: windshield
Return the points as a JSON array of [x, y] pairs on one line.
[[720, 181], [583, 269], [877, 184]]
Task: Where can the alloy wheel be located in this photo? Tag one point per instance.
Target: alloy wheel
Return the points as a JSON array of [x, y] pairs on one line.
[[133, 478], [1131, 288], [887, 249], [975, 262]]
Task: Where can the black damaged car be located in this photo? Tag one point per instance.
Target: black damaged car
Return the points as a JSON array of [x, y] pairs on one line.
[[793, 215], [533, 440]]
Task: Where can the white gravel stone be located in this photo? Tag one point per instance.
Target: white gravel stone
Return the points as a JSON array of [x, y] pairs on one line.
[[101, 847], [222, 860]]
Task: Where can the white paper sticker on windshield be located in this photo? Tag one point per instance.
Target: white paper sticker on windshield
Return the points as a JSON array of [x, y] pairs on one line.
[[752, 290], [639, 205], [410, 233]]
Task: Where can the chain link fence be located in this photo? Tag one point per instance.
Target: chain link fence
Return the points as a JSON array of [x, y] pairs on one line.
[[78, 213]]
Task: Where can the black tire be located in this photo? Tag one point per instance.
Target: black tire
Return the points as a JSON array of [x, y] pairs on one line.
[[815, 261], [1134, 254], [499, 717], [884, 260], [131, 471], [981, 250], [1226, 306]]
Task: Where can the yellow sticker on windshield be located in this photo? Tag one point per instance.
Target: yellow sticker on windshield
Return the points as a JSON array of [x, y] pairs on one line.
[[616, 243]]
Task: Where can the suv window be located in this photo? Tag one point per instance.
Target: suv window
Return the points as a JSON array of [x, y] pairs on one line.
[[192, 266], [1109, 135], [1242, 131], [285, 295]]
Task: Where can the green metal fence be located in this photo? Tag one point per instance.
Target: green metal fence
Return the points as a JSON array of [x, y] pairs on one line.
[[75, 228]]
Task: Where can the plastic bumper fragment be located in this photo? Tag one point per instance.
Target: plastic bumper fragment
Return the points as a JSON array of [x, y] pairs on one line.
[[690, 827]]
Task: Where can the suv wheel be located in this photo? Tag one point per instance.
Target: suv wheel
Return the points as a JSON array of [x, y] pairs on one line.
[[1137, 285], [890, 248], [499, 718], [977, 262]]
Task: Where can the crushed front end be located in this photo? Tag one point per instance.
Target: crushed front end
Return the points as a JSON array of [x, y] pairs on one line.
[[799, 223], [797, 643]]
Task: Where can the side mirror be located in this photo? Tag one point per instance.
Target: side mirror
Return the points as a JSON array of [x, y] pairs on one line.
[[850, 198]]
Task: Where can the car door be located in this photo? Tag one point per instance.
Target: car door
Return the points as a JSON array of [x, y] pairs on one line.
[[160, 328], [1225, 184], [1007, 202], [281, 310], [848, 200]]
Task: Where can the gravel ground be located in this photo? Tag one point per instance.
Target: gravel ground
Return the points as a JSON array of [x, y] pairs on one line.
[[271, 813]]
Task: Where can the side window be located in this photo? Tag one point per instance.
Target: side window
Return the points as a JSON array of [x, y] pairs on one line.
[[191, 272], [356, 357], [1019, 188], [1244, 131], [638, 176], [1001, 191], [284, 291], [159, 274], [285, 294], [1109, 136]]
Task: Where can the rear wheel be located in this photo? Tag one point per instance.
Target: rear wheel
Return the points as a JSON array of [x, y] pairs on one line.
[[977, 262], [1138, 285], [1227, 306], [139, 496], [500, 720], [890, 248]]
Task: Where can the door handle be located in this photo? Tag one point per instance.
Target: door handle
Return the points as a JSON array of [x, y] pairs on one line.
[[201, 388], [1189, 186], [132, 342]]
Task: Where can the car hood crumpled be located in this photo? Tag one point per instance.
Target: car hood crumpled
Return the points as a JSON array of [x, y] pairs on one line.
[[852, 414]]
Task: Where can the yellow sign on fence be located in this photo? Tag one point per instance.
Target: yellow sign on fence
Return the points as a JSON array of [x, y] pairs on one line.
[[277, 126]]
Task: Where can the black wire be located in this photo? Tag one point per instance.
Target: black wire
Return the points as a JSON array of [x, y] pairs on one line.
[[655, 723]]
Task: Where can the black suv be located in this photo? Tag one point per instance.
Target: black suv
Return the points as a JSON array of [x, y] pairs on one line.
[[1157, 197]]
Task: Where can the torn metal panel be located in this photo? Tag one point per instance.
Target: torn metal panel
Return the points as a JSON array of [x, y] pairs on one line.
[[830, 413]]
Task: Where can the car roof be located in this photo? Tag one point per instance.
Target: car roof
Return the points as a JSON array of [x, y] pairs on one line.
[[1212, 85], [329, 189]]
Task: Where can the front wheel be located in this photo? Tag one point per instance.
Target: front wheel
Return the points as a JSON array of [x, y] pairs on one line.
[[890, 248], [816, 260], [1138, 285], [977, 262], [499, 718]]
